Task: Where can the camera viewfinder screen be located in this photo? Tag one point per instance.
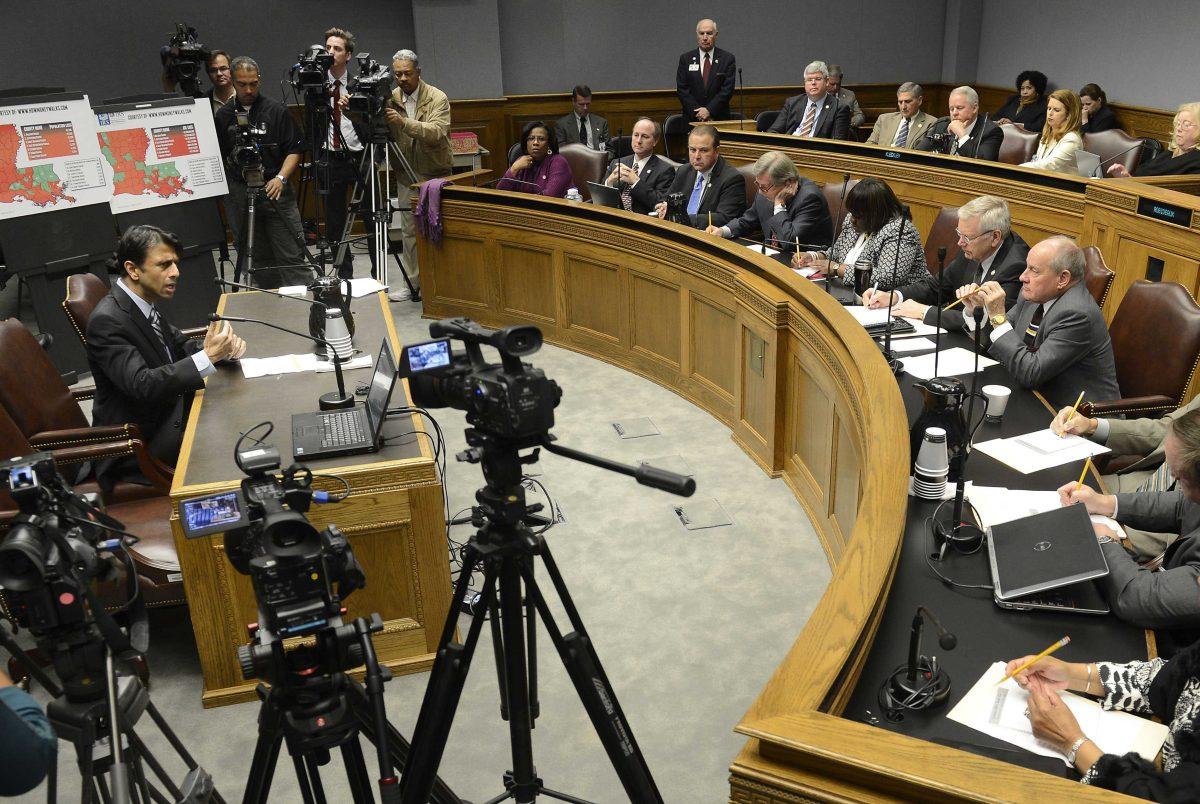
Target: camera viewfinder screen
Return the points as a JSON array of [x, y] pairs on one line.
[[20, 477], [212, 514], [427, 356]]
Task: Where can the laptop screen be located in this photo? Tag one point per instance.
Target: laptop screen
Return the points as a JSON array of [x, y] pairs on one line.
[[382, 382]]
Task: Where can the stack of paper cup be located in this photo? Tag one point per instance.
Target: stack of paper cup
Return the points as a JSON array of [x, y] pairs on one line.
[[932, 466], [338, 334]]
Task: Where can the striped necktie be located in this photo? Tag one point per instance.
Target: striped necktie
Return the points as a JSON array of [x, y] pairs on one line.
[[626, 193], [1032, 330], [1161, 480], [902, 134], [156, 325], [806, 127]]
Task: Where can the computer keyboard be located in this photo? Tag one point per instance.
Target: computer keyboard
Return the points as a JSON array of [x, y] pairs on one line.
[[342, 429]]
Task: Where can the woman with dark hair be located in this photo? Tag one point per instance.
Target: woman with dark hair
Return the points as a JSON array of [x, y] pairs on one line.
[[1096, 114], [1028, 106], [871, 232], [540, 169]]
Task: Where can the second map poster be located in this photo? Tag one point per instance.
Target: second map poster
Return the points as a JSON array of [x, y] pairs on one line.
[[159, 153]]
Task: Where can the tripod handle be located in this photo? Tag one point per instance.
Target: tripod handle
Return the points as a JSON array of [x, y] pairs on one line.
[[664, 480]]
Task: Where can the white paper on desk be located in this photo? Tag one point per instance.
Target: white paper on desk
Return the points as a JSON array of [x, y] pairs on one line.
[[1015, 453], [919, 328], [996, 505], [999, 711], [951, 363], [911, 345], [282, 364], [365, 286], [362, 361], [294, 290], [868, 316], [770, 252], [1048, 442]]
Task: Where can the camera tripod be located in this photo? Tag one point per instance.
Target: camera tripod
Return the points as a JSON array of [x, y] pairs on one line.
[[100, 724], [255, 187], [506, 549]]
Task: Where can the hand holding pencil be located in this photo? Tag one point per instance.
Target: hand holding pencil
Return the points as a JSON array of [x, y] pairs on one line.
[[1043, 668]]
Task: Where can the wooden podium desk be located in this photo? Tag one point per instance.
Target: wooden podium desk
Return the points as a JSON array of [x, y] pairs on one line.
[[394, 517]]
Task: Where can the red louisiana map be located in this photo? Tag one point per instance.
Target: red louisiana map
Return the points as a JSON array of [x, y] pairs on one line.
[[126, 152], [38, 184]]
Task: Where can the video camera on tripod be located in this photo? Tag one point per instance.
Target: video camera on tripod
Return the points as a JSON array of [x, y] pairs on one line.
[[309, 73], [371, 88], [246, 154], [183, 58]]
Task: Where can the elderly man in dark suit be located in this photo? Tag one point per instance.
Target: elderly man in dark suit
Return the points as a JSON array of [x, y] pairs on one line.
[[788, 208], [715, 190], [816, 113], [643, 177], [968, 135], [581, 125], [1054, 339], [989, 250], [705, 77], [144, 368], [1168, 598]]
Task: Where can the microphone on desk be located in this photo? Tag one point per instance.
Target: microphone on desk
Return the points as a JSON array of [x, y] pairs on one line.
[[1099, 172], [893, 362], [492, 184], [918, 684], [743, 94], [335, 337], [937, 335], [230, 283], [837, 221]]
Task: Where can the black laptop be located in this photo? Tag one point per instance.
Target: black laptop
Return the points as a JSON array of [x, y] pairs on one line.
[[605, 196], [328, 433], [1047, 561]]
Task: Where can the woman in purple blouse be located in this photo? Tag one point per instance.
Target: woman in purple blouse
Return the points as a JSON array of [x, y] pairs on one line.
[[541, 168]]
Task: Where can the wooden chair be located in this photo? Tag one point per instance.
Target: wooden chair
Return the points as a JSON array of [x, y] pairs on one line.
[[587, 164], [1153, 315], [942, 235], [1116, 145], [1097, 275], [1019, 145], [834, 200]]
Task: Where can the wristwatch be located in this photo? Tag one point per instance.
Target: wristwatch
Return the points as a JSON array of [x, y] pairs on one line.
[[1075, 749], [998, 319], [1104, 538]]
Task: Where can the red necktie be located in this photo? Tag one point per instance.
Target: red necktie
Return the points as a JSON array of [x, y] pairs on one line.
[[704, 69], [337, 115]]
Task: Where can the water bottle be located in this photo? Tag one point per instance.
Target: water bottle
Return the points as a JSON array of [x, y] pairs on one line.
[[573, 195]]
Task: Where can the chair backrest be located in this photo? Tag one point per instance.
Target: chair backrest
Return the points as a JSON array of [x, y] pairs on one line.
[[1019, 145], [587, 164], [1151, 148], [1168, 310], [620, 145], [15, 443], [833, 199], [84, 292], [1097, 275], [748, 176], [673, 126], [1116, 145], [766, 119], [31, 389], [514, 152], [942, 235]]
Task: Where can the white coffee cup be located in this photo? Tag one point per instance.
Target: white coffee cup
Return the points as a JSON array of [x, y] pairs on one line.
[[997, 401]]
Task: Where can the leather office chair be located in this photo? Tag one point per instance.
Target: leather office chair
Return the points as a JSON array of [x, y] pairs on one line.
[[1152, 387], [84, 292], [833, 199], [1019, 145], [749, 177], [620, 145], [766, 119], [673, 126], [587, 164], [942, 235], [514, 152], [1097, 275], [1116, 145]]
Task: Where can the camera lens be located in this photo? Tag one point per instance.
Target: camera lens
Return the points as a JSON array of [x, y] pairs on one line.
[[22, 559]]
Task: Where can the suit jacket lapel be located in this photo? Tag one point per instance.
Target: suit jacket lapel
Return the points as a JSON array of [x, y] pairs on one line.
[[151, 348]]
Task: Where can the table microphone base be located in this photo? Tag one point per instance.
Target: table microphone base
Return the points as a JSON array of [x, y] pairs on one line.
[[336, 401], [964, 538], [930, 688]]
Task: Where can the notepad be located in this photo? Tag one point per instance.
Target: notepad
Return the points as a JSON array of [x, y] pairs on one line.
[[950, 363], [1048, 442], [1017, 453]]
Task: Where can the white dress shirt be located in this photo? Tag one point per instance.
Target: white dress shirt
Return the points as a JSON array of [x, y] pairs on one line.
[[199, 357], [816, 117], [349, 135]]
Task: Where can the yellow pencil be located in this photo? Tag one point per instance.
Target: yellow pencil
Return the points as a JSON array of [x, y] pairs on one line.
[[1035, 659], [954, 303], [1074, 407], [1083, 474], [710, 219]]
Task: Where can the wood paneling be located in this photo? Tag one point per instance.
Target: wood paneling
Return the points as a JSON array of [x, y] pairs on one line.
[[587, 284], [654, 317], [526, 276], [466, 277], [713, 344]]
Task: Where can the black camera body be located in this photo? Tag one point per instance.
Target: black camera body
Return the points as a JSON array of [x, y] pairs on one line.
[[184, 57], [677, 209], [371, 87], [246, 154], [942, 143], [309, 73]]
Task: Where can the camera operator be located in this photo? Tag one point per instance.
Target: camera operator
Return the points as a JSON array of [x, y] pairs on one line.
[[280, 151], [28, 747], [418, 116], [221, 77], [343, 147]]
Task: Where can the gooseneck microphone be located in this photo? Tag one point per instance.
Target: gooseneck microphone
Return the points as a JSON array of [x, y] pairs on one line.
[[743, 94], [918, 684], [333, 400], [219, 282], [937, 336], [893, 362], [837, 222]]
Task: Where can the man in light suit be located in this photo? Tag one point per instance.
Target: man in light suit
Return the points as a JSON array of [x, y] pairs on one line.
[[989, 250], [715, 190], [1054, 340], [969, 135], [1165, 599], [816, 113], [144, 368], [643, 175], [846, 96], [581, 125], [890, 132], [705, 77], [418, 117], [787, 209]]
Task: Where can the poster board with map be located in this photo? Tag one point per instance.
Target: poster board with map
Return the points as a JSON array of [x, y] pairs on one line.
[[49, 157], [160, 152]]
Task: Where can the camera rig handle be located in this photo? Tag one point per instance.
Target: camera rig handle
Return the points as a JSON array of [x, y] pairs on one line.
[[645, 474]]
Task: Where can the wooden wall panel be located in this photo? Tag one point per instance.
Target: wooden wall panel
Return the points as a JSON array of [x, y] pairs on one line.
[[466, 277], [527, 281], [654, 307], [591, 291], [714, 345], [846, 486]]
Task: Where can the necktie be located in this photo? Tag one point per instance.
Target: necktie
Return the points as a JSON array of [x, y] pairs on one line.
[[807, 126], [705, 68], [337, 116], [626, 194], [1031, 331], [583, 129], [156, 325], [902, 134], [1161, 480], [694, 202]]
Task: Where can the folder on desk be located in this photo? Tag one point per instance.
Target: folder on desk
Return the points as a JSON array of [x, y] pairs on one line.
[[1045, 551]]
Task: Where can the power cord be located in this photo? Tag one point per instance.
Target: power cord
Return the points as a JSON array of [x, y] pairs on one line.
[[929, 530]]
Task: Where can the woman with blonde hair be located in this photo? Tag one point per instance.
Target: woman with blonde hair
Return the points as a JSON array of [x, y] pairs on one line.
[[1182, 157], [1060, 136]]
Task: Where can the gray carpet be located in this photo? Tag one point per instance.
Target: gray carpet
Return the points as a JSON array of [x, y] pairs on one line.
[[688, 624]]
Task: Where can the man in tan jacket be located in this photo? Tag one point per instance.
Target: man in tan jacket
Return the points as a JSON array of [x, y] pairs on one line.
[[418, 116]]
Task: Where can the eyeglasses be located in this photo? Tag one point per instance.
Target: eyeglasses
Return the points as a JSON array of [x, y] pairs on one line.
[[962, 238], [1184, 125], [764, 187]]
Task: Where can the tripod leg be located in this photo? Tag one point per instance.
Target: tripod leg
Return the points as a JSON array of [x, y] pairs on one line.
[[592, 685], [139, 747], [498, 652], [524, 786], [266, 754], [445, 687], [531, 652], [356, 771], [306, 792], [314, 777]]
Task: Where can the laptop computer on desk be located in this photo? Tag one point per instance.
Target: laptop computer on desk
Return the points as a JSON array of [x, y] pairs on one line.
[[329, 433], [1047, 561], [605, 196]]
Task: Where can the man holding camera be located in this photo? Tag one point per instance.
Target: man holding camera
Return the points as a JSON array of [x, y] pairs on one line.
[[256, 128]]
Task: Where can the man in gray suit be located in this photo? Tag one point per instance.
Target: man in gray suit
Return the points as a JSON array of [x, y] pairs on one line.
[[1168, 598], [581, 125], [846, 96], [1054, 339], [890, 132]]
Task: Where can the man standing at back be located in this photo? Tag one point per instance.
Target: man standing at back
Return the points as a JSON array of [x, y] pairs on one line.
[[705, 77]]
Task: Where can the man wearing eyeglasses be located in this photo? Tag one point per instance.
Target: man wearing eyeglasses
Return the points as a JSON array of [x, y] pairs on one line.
[[989, 251], [222, 91]]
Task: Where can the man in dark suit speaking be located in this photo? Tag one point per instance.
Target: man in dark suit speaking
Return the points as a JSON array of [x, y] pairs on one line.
[[963, 133], [144, 368], [816, 113], [705, 77], [715, 190]]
